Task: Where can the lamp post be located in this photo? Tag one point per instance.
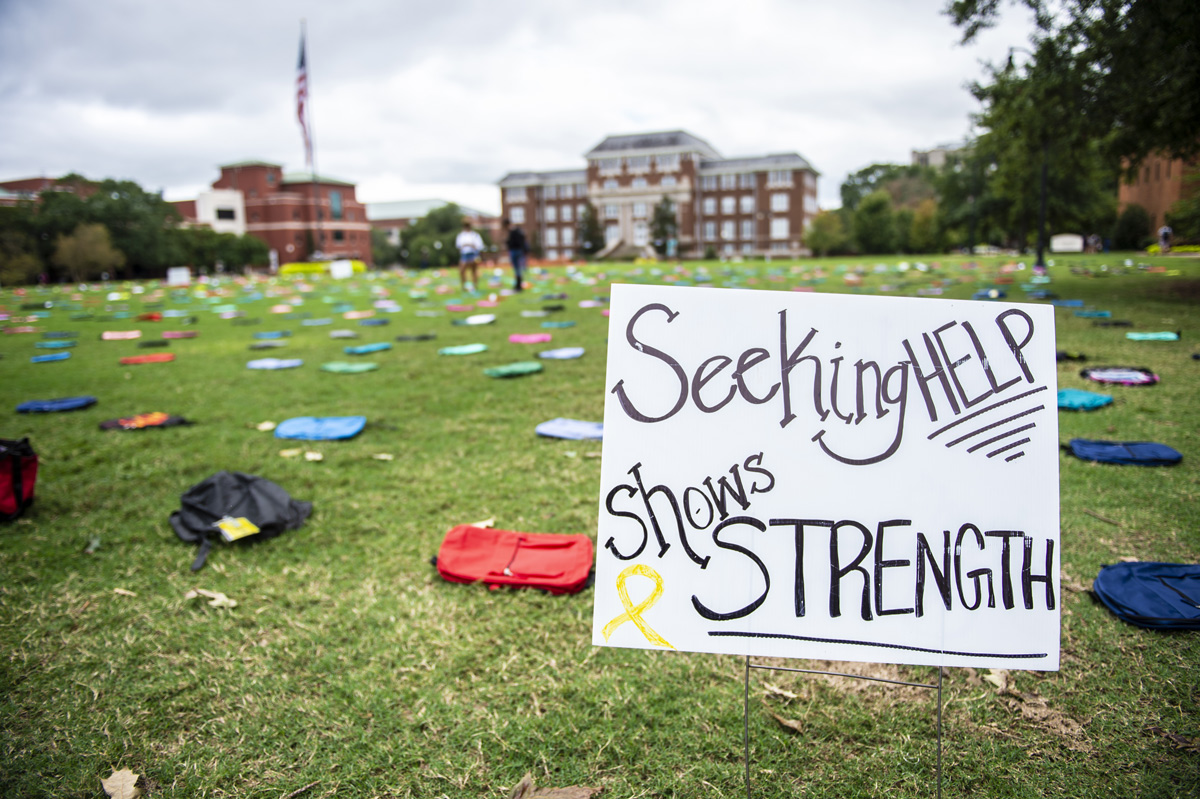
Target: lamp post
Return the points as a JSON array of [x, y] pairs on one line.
[[1039, 266]]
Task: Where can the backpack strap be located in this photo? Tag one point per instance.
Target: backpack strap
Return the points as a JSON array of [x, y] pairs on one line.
[[202, 553]]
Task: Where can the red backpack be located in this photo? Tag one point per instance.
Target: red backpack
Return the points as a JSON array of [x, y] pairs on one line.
[[18, 474], [556, 563]]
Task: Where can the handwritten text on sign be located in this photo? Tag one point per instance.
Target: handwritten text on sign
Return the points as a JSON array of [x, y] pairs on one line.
[[833, 477]]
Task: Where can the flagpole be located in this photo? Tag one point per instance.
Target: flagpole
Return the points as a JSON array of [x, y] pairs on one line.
[[312, 144]]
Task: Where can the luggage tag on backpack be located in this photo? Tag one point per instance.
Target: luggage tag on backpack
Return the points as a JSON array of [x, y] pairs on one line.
[[232, 529]]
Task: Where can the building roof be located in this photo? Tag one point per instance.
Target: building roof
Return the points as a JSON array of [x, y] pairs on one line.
[[671, 140], [307, 177], [537, 178], [756, 163], [413, 209], [248, 163]]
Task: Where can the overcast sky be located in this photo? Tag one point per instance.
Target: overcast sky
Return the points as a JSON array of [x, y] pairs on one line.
[[413, 100]]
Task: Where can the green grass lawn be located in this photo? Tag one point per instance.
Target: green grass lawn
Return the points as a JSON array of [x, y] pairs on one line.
[[350, 667]]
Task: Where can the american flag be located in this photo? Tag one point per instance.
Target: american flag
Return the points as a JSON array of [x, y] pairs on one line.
[[302, 103]]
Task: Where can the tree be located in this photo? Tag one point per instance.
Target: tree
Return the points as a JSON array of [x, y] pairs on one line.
[[138, 222], [874, 224], [590, 234], [87, 253], [1132, 228], [906, 184], [1137, 62], [430, 240], [1184, 215], [923, 234], [826, 233], [383, 252], [664, 224]]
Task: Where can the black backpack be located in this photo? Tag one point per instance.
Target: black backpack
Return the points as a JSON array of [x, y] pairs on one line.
[[232, 506]]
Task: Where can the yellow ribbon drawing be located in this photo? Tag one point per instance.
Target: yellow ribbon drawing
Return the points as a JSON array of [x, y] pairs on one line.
[[633, 612]]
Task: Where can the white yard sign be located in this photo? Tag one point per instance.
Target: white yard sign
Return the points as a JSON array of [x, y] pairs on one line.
[[830, 477]]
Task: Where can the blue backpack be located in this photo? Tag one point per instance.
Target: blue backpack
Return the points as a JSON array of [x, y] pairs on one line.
[[1159, 596], [1136, 453]]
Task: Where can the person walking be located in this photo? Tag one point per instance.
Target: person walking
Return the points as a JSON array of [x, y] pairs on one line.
[[518, 249], [1164, 239], [470, 245]]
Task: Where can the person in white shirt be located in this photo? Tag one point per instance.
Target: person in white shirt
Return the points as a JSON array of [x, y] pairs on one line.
[[470, 245]]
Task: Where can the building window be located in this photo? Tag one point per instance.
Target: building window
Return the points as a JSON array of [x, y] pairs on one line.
[[552, 255], [568, 237], [779, 246], [579, 209], [335, 205], [551, 213], [639, 210], [728, 230], [779, 178], [779, 228], [747, 204], [747, 248], [667, 163], [226, 214], [339, 235], [728, 249], [254, 217], [746, 180], [728, 181], [710, 206], [610, 185], [516, 215], [611, 212], [748, 229], [611, 233], [550, 192], [609, 166], [551, 237], [710, 231], [728, 205], [779, 202], [295, 214], [515, 195], [567, 191], [566, 213], [639, 183], [668, 181], [581, 190], [638, 163], [708, 182], [270, 177], [641, 234], [810, 205]]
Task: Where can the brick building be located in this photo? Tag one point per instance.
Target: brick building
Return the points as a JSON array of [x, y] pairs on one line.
[[738, 206], [1159, 183], [260, 199]]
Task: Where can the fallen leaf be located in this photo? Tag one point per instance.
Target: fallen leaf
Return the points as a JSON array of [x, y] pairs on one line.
[[121, 785], [570, 453], [289, 453], [777, 691], [790, 724], [123, 592], [215, 598], [384, 456], [1129, 559], [1178, 741], [523, 788], [485, 523], [998, 678], [93, 545], [265, 427], [313, 456]]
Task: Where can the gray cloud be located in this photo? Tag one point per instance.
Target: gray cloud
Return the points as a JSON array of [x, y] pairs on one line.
[[416, 99]]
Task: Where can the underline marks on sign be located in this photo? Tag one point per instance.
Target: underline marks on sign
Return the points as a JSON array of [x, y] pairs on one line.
[[992, 425], [850, 642]]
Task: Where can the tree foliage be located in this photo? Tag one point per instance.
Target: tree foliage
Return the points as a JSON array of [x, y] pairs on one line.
[[1137, 63], [1184, 215], [430, 240], [664, 224], [87, 253], [826, 233], [1132, 231], [875, 224], [590, 234]]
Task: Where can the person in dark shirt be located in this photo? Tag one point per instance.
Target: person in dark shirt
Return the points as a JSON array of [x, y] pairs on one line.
[[518, 248]]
